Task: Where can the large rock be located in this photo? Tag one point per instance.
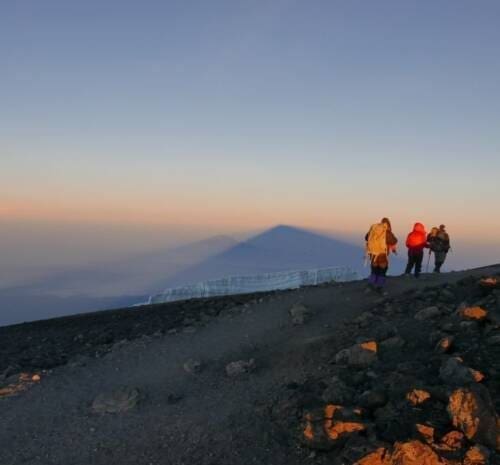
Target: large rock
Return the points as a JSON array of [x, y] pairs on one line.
[[428, 313], [330, 427], [414, 453], [118, 401], [360, 355], [472, 411], [455, 373]]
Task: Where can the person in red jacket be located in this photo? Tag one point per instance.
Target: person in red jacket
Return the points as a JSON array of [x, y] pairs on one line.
[[416, 243]]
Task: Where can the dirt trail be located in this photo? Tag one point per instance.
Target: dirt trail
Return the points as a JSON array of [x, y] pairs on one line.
[[195, 418]]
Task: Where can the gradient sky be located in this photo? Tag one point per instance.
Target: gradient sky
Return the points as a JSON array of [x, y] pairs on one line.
[[242, 114]]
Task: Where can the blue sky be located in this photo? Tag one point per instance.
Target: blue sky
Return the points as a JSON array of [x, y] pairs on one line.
[[249, 113]]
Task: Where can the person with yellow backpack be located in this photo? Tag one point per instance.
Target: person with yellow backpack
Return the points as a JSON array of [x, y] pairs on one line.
[[380, 242]]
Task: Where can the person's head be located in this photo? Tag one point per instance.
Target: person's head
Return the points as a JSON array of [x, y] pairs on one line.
[[386, 222], [419, 227], [434, 231], [442, 227]]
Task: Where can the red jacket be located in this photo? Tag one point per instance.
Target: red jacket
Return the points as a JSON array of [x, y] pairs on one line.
[[417, 239]]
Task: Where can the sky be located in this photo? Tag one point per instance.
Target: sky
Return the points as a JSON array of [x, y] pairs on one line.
[[234, 115]]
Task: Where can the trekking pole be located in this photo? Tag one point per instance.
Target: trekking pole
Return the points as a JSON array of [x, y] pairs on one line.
[[428, 260]]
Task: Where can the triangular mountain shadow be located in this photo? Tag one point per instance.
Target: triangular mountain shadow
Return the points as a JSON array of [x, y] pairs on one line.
[[278, 249]]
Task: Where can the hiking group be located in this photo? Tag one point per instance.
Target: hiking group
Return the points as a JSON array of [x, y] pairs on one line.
[[381, 242]]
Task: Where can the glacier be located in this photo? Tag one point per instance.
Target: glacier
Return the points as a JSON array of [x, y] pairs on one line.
[[256, 283]]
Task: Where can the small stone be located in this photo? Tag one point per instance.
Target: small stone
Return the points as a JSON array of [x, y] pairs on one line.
[[240, 367], [36, 378], [393, 343], [372, 400], [428, 313], [473, 313], [417, 396], [452, 441], [192, 366], [300, 314], [444, 345], [426, 431], [118, 401], [477, 455], [493, 340]]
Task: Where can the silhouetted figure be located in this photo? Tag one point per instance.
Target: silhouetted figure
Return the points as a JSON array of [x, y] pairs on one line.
[[439, 243], [416, 243], [380, 242]]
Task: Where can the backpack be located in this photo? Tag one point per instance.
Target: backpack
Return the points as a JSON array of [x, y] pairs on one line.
[[377, 240]]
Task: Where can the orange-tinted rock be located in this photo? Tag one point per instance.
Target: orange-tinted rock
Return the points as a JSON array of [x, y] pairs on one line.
[[472, 411], [417, 396], [478, 376], [444, 345], [414, 453], [323, 428], [36, 378], [427, 432], [371, 346], [490, 282], [452, 441], [358, 355], [474, 313], [377, 457], [477, 455]]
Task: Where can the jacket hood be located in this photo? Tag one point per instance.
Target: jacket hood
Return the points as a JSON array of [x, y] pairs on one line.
[[419, 227]]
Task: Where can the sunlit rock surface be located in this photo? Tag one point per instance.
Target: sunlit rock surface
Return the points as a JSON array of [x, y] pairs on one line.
[[256, 283]]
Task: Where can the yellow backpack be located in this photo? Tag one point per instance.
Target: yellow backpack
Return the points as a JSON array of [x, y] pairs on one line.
[[377, 241]]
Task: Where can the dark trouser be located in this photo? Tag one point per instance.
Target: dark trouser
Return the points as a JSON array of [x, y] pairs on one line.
[[415, 259], [377, 278], [439, 258]]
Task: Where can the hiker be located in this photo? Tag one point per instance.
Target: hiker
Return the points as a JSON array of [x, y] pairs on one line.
[[380, 242], [439, 243], [416, 243]]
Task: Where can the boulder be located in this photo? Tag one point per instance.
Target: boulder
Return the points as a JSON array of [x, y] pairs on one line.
[[360, 355], [118, 401], [428, 313], [472, 412], [330, 427]]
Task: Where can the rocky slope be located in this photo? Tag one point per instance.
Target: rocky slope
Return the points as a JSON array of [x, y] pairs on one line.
[[334, 374]]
